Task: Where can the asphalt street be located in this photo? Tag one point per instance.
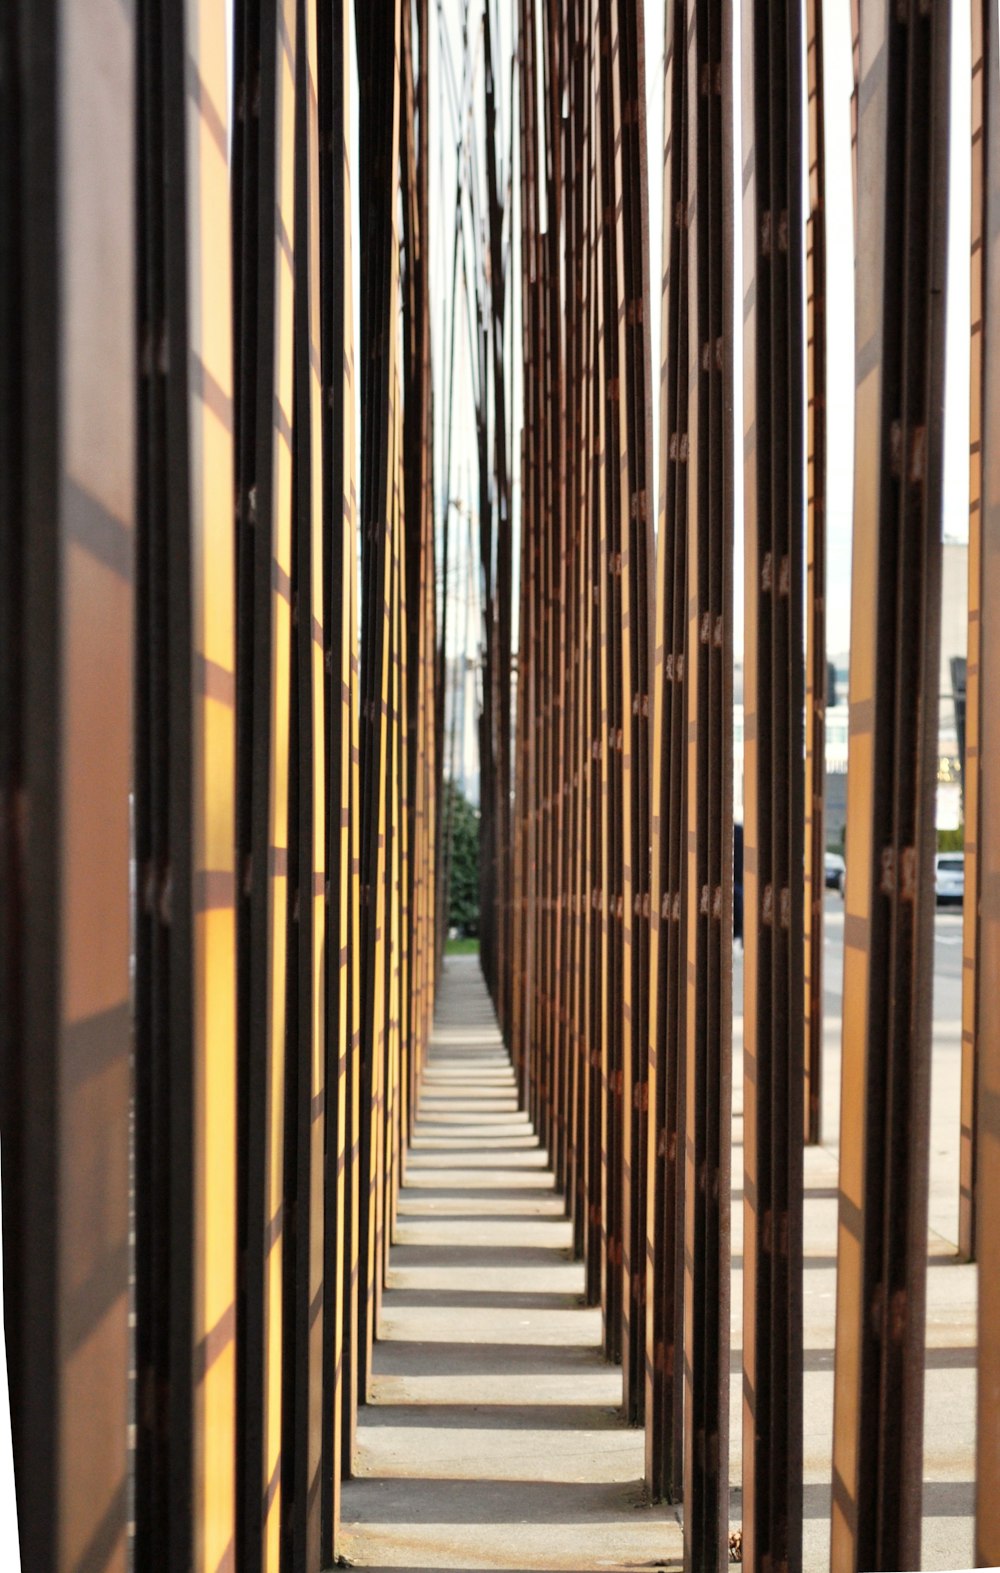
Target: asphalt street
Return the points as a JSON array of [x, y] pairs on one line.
[[947, 962], [947, 959], [946, 1051], [950, 1381]]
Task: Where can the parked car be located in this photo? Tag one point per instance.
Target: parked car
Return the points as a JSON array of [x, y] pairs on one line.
[[834, 869], [949, 878]]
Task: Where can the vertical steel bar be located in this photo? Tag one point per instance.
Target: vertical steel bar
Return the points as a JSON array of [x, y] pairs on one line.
[[378, 54], [773, 697], [264, 230], [972, 761], [816, 666], [888, 926], [67, 307], [185, 1086], [616, 826], [340, 1159], [708, 679], [664, 1303], [636, 546], [987, 1180], [305, 1084]]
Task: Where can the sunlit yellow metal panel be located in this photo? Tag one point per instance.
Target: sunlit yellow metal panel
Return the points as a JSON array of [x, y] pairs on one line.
[[213, 773], [69, 436], [981, 12]]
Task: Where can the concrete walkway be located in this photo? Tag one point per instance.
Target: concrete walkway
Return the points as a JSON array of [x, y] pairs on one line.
[[493, 1438]]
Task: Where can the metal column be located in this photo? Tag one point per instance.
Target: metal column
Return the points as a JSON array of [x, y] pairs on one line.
[[888, 925]]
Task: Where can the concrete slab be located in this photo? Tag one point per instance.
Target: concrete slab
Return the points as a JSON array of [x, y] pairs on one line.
[[493, 1439], [950, 1381]]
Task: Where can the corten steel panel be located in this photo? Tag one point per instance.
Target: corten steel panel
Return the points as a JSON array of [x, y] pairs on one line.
[[67, 300], [598, 929], [413, 478], [815, 612], [773, 684], [501, 673], [988, 1100], [625, 197], [527, 683], [599, 967], [185, 750], [551, 83], [664, 1266], [580, 483], [614, 651], [378, 53], [589, 1159], [388, 924], [404, 934], [264, 274], [520, 837], [559, 226], [351, 903], [305, 1070], [418, 507], [576, 438], [520, 831], [427, 765], [545, 524], [555, 98], [972, 769], [339, 1314], [888, 938], [397, 763], [607, 1273], [708, 682]]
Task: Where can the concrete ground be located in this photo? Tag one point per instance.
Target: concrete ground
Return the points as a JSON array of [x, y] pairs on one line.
[[493, 1438], [950, 1390]]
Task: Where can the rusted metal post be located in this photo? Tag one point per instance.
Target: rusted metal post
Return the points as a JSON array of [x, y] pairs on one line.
[[888, 925], [668, 978], [773, 812], [815, 609], [708, 676]]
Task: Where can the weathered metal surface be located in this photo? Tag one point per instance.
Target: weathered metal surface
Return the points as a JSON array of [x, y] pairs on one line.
[[708, 676], [815, 607], [972, 759], [636, 547], [287, 781], [306, 1103], [888, 938], [378, 51], [667, 996], [185, 1098], [338, 1408], [773, 789], [987, 1101], [68, 277], [264, 273]]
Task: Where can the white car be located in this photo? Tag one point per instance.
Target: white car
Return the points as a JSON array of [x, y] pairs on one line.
[[834, 870], [949, 878]]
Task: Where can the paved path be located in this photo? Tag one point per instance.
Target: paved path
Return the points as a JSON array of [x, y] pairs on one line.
[[493, 1439]]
